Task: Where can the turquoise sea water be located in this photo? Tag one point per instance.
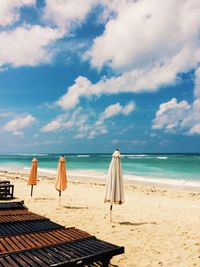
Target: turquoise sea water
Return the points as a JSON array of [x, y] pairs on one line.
[[171, 168]]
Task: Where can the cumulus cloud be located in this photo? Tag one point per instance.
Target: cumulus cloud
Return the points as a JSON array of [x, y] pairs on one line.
[[19, 123], [171, 114], [148, 79], [147, 43], [82, 86], [174, 116], [144, 32], [28, 45], [67, 14], [87, 124], [114, 110], [10, 10], [65, 121]]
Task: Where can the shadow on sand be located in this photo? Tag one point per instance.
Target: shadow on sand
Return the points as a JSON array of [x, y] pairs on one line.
[[136, 224], [75, 208]]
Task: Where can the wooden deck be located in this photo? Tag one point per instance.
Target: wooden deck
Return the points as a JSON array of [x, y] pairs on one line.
[[28, 239]]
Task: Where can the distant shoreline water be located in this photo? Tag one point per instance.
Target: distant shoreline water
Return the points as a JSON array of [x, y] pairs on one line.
[[173, 169]]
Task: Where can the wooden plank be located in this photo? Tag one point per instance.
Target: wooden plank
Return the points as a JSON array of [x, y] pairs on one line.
[[11, 261], [20, 262], [28, 260], [12, 205]]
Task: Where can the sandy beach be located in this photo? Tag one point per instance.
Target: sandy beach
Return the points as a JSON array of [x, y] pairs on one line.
[[157, 226]]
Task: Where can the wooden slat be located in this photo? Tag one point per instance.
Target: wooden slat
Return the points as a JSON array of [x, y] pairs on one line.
[[68, 254], [12, 205], [21, 218], [36, 240]]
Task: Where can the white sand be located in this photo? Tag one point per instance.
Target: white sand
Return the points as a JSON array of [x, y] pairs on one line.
[[157, 227]]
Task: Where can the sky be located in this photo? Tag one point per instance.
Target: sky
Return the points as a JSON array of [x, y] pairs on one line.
[[89, 76]]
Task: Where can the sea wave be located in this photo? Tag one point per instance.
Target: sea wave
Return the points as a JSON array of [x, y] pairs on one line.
[[83, 156], [28, 154], [162, 157], [134, 155], [164, 181]]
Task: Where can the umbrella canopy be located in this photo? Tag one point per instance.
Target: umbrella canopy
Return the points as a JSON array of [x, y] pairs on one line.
[[61, 182], [114, 187], [33, 174]]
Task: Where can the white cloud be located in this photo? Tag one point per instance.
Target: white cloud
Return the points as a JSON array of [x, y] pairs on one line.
[[84, 123], [144, 32], [67, 14], [71, 98], [171, 114], [66, 121], [27, 45], [197, 83], [148, 43], [195, 130], [19, 123], [128, 108], [114, 110], [55, 124], [174, 116], [10, 10], [135, 81]]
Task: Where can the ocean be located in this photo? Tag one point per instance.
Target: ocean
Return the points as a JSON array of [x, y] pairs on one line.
[[176, 169]]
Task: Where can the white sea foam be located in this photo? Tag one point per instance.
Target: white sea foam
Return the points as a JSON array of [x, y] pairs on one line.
[[83, 156], [27, 154], [134, 155], [164, 181], [162, 157]]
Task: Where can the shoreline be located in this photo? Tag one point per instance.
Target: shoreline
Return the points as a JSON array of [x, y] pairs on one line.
[[23, 173]]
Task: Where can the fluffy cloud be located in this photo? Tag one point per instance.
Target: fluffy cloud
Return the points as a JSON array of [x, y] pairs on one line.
[[65, 121], [27, 45], [67, 14], [81, 87], [114, 110], [148, 79], [171, 114], [87, 124], [176, 116], [19, 123], [10, 10], [147, 43], [145, 32]]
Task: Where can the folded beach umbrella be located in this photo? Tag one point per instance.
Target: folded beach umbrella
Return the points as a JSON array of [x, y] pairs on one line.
[[114, 186], [61, 182], [33, 175]]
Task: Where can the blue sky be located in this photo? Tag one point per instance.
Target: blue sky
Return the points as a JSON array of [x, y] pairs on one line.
[[95, 75]]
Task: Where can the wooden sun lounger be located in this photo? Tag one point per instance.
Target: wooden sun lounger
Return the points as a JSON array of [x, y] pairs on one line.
[[12, 205], [41, 242], [4, 182], [6, 190]]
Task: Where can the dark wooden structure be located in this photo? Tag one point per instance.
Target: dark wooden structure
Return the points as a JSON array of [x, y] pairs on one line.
[[6, 190], [28, 239]]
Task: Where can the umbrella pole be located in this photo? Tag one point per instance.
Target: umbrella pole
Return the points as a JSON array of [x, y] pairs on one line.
[[110, 213], [31, 190], [59, 197]]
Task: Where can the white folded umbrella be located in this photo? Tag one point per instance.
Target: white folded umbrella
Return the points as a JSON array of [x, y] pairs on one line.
[[114, 186]]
